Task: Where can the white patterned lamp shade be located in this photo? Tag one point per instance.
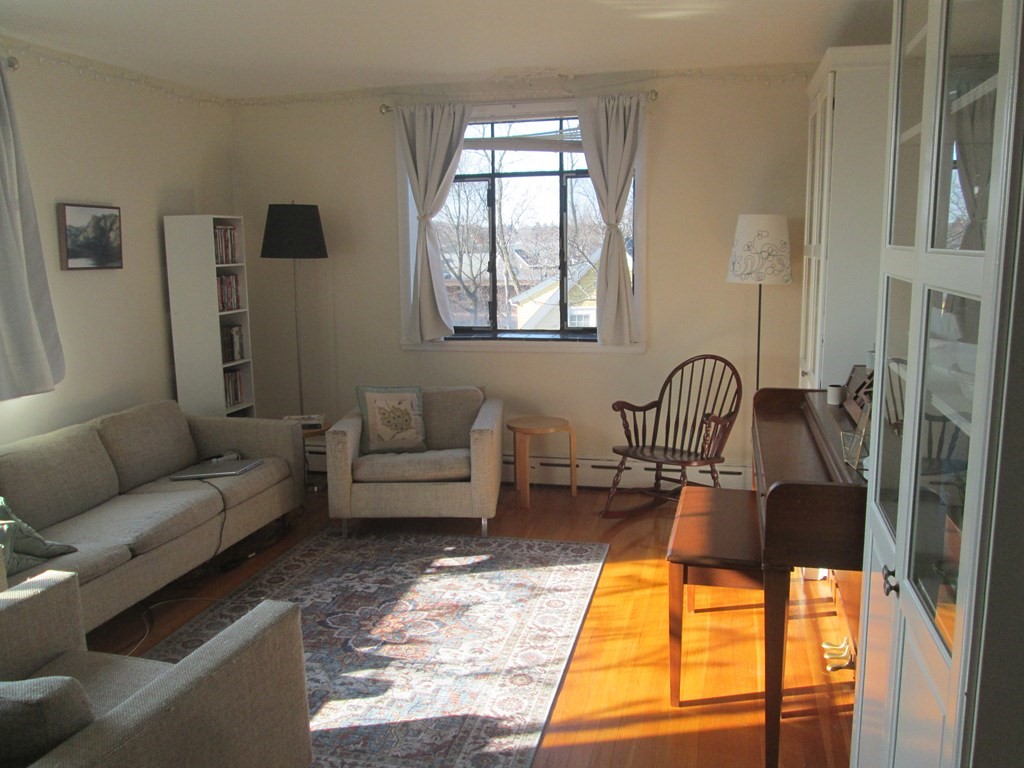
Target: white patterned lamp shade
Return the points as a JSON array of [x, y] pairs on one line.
[[760, 250]]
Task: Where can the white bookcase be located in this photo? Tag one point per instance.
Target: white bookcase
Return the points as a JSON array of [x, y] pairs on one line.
[[209, 314]]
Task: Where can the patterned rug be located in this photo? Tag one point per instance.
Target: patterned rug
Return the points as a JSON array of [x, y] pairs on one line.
[[423, 651]]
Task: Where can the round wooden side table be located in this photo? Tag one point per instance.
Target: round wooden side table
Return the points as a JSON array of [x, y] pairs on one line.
[[522, 428]]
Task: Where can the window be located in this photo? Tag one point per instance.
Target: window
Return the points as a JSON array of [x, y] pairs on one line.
[[521, 233]]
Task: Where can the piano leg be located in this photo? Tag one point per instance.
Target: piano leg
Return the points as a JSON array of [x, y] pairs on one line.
[[676, 576], [776, 619]]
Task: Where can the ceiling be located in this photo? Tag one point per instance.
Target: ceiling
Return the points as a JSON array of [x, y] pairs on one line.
[[242, 49]]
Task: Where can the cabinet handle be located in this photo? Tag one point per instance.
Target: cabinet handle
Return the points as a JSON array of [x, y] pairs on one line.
[[888, 584]]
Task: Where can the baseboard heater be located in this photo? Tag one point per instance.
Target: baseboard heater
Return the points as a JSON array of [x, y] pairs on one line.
[[598, 472]]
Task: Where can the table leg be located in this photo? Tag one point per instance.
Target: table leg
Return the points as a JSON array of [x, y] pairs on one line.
[[676, 574], [572, 458], [522, 461], [776, 619]]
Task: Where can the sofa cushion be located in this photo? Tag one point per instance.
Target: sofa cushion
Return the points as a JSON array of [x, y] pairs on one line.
[[52, 477], [147, 442], [91, 560], [234, 489], [108, 679], [23, 548], [392, 419], [142, 521], [448, 414], [38, 714], [428, 466]]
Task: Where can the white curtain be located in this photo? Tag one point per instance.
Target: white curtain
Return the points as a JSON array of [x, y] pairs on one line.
[[974, 125], [431, 139], [610, 127], [31, 356]]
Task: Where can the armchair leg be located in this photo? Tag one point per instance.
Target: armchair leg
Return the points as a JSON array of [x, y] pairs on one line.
[[483, 527]]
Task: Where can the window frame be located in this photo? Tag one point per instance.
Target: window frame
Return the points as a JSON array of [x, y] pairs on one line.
[[511, 340]]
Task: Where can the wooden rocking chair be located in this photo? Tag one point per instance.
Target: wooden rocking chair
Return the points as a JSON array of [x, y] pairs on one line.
[[687, 426]]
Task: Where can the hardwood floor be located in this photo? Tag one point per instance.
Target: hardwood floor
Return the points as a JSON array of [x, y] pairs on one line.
[[612, 709]]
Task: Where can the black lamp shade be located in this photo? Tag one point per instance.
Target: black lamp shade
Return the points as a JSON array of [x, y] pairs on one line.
[[293, 232]]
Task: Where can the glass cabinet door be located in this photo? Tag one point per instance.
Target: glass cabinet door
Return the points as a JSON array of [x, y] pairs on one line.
[[892, 384], [910, 94], [967, 124], [943, 443]]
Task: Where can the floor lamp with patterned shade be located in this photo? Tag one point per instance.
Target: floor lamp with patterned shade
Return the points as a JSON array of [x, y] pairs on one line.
[[760, 254], [294, 232]]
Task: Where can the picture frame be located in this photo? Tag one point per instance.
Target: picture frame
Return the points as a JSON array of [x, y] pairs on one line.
[[90, 236]]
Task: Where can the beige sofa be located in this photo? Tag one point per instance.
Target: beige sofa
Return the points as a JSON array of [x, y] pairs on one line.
[[103, 487], [237, 701], [458, 475]]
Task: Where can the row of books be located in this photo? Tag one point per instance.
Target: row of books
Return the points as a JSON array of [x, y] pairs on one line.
[[231, 347], [234, 388], [229, 294], [224, 244]]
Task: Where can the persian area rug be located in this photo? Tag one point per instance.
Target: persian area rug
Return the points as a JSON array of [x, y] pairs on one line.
[[423, 651]]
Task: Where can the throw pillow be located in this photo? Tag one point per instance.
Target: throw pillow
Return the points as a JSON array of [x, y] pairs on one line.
[[38, 714], [392, 419], [23, 547]]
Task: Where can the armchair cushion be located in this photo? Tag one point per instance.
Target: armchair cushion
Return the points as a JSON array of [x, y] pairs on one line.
[[38, 714], [429, 466], [392, 419]]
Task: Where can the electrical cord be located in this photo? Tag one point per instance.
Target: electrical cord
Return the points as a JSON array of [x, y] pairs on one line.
[[147, 618]]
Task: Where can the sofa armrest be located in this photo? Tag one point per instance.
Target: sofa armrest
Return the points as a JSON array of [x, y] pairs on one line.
[[40, 619], [342, 450], [238, 700], [485, 456], [253, 438]]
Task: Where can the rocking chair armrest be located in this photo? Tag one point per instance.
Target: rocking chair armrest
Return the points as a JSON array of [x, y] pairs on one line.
[[621, 405]]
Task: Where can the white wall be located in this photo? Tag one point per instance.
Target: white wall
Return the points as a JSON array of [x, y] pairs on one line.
[[93, 139], [716, 148]]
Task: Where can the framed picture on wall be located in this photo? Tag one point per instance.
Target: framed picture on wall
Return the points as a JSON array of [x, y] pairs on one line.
[[90, 236]]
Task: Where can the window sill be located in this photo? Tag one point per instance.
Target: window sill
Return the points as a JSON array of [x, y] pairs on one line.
[[556, 345]]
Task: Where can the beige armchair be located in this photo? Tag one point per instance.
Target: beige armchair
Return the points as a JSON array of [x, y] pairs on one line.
[[458, 475], [239, 700]]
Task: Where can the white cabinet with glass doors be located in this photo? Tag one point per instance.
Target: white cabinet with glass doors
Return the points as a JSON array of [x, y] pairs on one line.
[[935, 379], [843, 218]]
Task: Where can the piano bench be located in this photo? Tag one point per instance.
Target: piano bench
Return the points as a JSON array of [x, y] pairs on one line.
[[715, 542]]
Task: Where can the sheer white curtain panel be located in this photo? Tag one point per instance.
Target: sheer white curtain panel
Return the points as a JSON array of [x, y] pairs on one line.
[[610, 127], [431, 139], [31, 356]]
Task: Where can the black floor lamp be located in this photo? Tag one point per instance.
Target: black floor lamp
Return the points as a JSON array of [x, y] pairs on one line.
[[294, 232], [760, 254]]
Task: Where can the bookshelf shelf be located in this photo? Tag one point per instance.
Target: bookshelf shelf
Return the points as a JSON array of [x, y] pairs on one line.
[[209, 303]]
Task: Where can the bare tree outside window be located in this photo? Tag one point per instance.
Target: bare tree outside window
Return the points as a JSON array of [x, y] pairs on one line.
[[521, 233]]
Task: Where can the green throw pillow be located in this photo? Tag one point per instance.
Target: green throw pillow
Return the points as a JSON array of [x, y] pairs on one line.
[[392, 419], [23, 548], [38, 714]]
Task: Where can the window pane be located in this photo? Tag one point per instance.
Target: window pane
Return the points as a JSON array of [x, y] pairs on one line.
[[526, 223], [583, 238], [464, 233], [474, 161], [944, 441]]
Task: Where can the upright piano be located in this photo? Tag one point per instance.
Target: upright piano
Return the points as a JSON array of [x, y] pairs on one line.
[[811, 505]]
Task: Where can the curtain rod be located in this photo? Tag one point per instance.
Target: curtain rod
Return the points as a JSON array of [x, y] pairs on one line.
[[652, 95]]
